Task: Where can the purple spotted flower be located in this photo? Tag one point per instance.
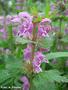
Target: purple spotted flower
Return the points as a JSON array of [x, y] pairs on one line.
[[26, 84], [26, 26], [45, 20], [27, 53], [41, 32], [44, 27], [24, 23], [25, 16], [38, 59], [25, 29]]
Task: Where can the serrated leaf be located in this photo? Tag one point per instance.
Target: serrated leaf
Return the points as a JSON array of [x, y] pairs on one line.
[[12, 71], [40, 82], [56, 55], [46, 80], [46, 42], [22, 40], [55, 75], [12, 63], [65, 39], [4, 75]]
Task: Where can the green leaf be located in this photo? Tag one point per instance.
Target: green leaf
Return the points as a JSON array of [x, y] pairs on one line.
[[56, 55], [46, 80], [3, 43], [21, 40], [46, 42], [12, 71], [55, 75], [47, 9], [12, 63], [4, 75], [34, 10], [41, 82], [65, 39]]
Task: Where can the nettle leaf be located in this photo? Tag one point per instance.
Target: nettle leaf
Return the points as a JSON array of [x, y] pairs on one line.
[[40, 84], [3, 43], [56, 55], [46, 42], [4, 75], [21, 40], [12, 64], [13, 70], [7, 77], [55, 75], [10, 59], [46, 80], [65, 39]]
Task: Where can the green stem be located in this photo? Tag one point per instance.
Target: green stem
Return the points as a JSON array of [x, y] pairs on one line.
[[33, 39], [60, 23]]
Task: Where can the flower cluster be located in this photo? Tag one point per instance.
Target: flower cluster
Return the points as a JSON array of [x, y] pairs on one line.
[[44, 27], [24, 26], [27, 53], [38, 59], [26, 31], [24, 23]]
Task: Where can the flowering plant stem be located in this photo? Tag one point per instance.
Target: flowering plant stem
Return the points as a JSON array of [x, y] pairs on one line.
[[33, 39], [33, 46]]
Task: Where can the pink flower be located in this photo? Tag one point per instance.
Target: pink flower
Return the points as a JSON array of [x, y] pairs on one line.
[[25, 16], [26, 26], [25, 29], [44, 27], [26, 84], [37, 69], [42, 32], [27, 53], [45, 20], [38, 59]]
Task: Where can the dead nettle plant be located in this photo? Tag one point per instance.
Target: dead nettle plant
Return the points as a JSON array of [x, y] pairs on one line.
[[29, 39]]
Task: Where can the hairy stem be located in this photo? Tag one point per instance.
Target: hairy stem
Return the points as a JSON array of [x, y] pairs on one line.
[[33, 39]]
